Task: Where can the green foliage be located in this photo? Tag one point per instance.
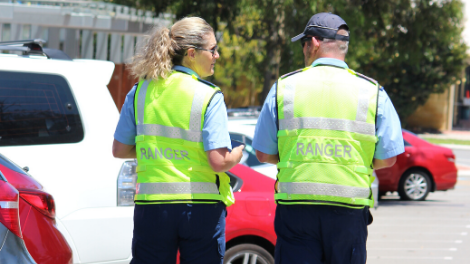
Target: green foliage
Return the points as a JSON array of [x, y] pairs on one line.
[[412, 47]]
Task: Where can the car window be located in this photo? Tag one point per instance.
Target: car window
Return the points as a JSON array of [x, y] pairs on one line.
[[407, 144], [37, 109]]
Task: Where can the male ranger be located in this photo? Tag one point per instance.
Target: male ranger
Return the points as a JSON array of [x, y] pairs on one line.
[[326, 127]]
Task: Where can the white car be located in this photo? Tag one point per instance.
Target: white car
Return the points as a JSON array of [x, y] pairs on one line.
[[58, 118], [241, 126]]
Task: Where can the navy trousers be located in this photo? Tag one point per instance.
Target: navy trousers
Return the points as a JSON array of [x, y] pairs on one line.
[[196, 230], [320, 234]]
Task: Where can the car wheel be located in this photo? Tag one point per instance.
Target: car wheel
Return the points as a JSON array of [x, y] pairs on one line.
[[414, 185], [248, 253]]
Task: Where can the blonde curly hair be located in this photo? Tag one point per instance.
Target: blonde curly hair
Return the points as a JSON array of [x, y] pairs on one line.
[[162, 48]]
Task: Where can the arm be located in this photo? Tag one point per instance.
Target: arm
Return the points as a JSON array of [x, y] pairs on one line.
[[124, 136], [265, 138], [216, 137], [390, 143], [222, 160], [123, 151], [382, 164], [267, 158]]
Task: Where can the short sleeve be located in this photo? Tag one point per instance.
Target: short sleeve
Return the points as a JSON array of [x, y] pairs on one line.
[[215, 129], [390, 139], [126, 128], [265, 138]]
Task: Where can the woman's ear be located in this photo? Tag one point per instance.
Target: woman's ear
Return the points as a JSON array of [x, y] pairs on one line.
[[191, 53]]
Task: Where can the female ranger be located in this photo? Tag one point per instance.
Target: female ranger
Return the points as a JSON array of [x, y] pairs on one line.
[[175, 125]]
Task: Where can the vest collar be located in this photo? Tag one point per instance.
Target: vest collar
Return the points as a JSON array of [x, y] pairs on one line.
[[185, 70], [330, 62]]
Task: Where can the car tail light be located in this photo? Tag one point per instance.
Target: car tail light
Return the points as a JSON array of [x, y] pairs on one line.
[[9, 212], [126, 183], [450, 156], [40, 200]]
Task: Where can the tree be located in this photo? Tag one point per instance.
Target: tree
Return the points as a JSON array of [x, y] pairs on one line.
[[412, 47]]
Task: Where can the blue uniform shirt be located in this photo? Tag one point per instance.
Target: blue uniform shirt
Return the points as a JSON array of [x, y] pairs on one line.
[[214, 132], [388, 128]]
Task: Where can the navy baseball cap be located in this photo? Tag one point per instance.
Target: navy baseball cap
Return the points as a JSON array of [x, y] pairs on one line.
[[324, 25]]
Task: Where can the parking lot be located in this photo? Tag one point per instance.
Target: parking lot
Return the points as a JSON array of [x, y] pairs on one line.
[[433, 231]]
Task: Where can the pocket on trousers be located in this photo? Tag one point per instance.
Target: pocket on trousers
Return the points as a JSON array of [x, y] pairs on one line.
[[221, 246], [358, 254]]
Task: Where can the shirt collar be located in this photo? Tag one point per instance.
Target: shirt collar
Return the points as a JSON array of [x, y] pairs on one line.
[[185, 69], [330, 61]]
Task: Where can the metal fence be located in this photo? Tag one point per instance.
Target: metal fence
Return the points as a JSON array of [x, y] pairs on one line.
[[82, 29]]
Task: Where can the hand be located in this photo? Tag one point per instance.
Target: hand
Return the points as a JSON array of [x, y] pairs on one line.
[[238, 153]]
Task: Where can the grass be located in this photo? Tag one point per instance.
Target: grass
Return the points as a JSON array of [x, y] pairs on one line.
[[447, 141]]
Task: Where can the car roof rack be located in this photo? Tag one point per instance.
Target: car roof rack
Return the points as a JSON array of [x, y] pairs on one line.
[[33, 46]]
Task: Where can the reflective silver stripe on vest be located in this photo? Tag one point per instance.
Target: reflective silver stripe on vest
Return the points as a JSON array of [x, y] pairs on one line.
[[141, 102], [323, 189], [169, 132], [194, 133], [196, 111], [177, 188], [328, 124], [362, 104], [8, 205], [289, 94], [357, 126]]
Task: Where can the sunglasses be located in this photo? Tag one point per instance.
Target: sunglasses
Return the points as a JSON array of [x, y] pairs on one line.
[[213, 50], [308, 39]]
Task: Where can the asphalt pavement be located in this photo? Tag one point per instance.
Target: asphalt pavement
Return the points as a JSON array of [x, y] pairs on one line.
[[427, 232]]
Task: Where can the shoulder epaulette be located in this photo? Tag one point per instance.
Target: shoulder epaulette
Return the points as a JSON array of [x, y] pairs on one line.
[[206, 82], [367, 78], [291, 73], [199, 79]]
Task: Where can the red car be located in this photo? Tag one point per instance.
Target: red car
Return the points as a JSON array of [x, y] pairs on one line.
[[422, 168], [28, 213], [249, 234]]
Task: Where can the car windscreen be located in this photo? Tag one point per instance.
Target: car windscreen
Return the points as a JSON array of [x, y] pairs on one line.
[[37, 108]]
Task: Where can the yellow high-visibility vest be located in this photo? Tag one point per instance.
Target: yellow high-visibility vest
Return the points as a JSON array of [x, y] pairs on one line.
[[172, 164], [326, 137]]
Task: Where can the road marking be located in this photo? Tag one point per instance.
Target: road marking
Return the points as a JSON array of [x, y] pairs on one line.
[[393, 257], [390, 217], [414, 241], [419, 233], [414, 249], [439, 225]]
